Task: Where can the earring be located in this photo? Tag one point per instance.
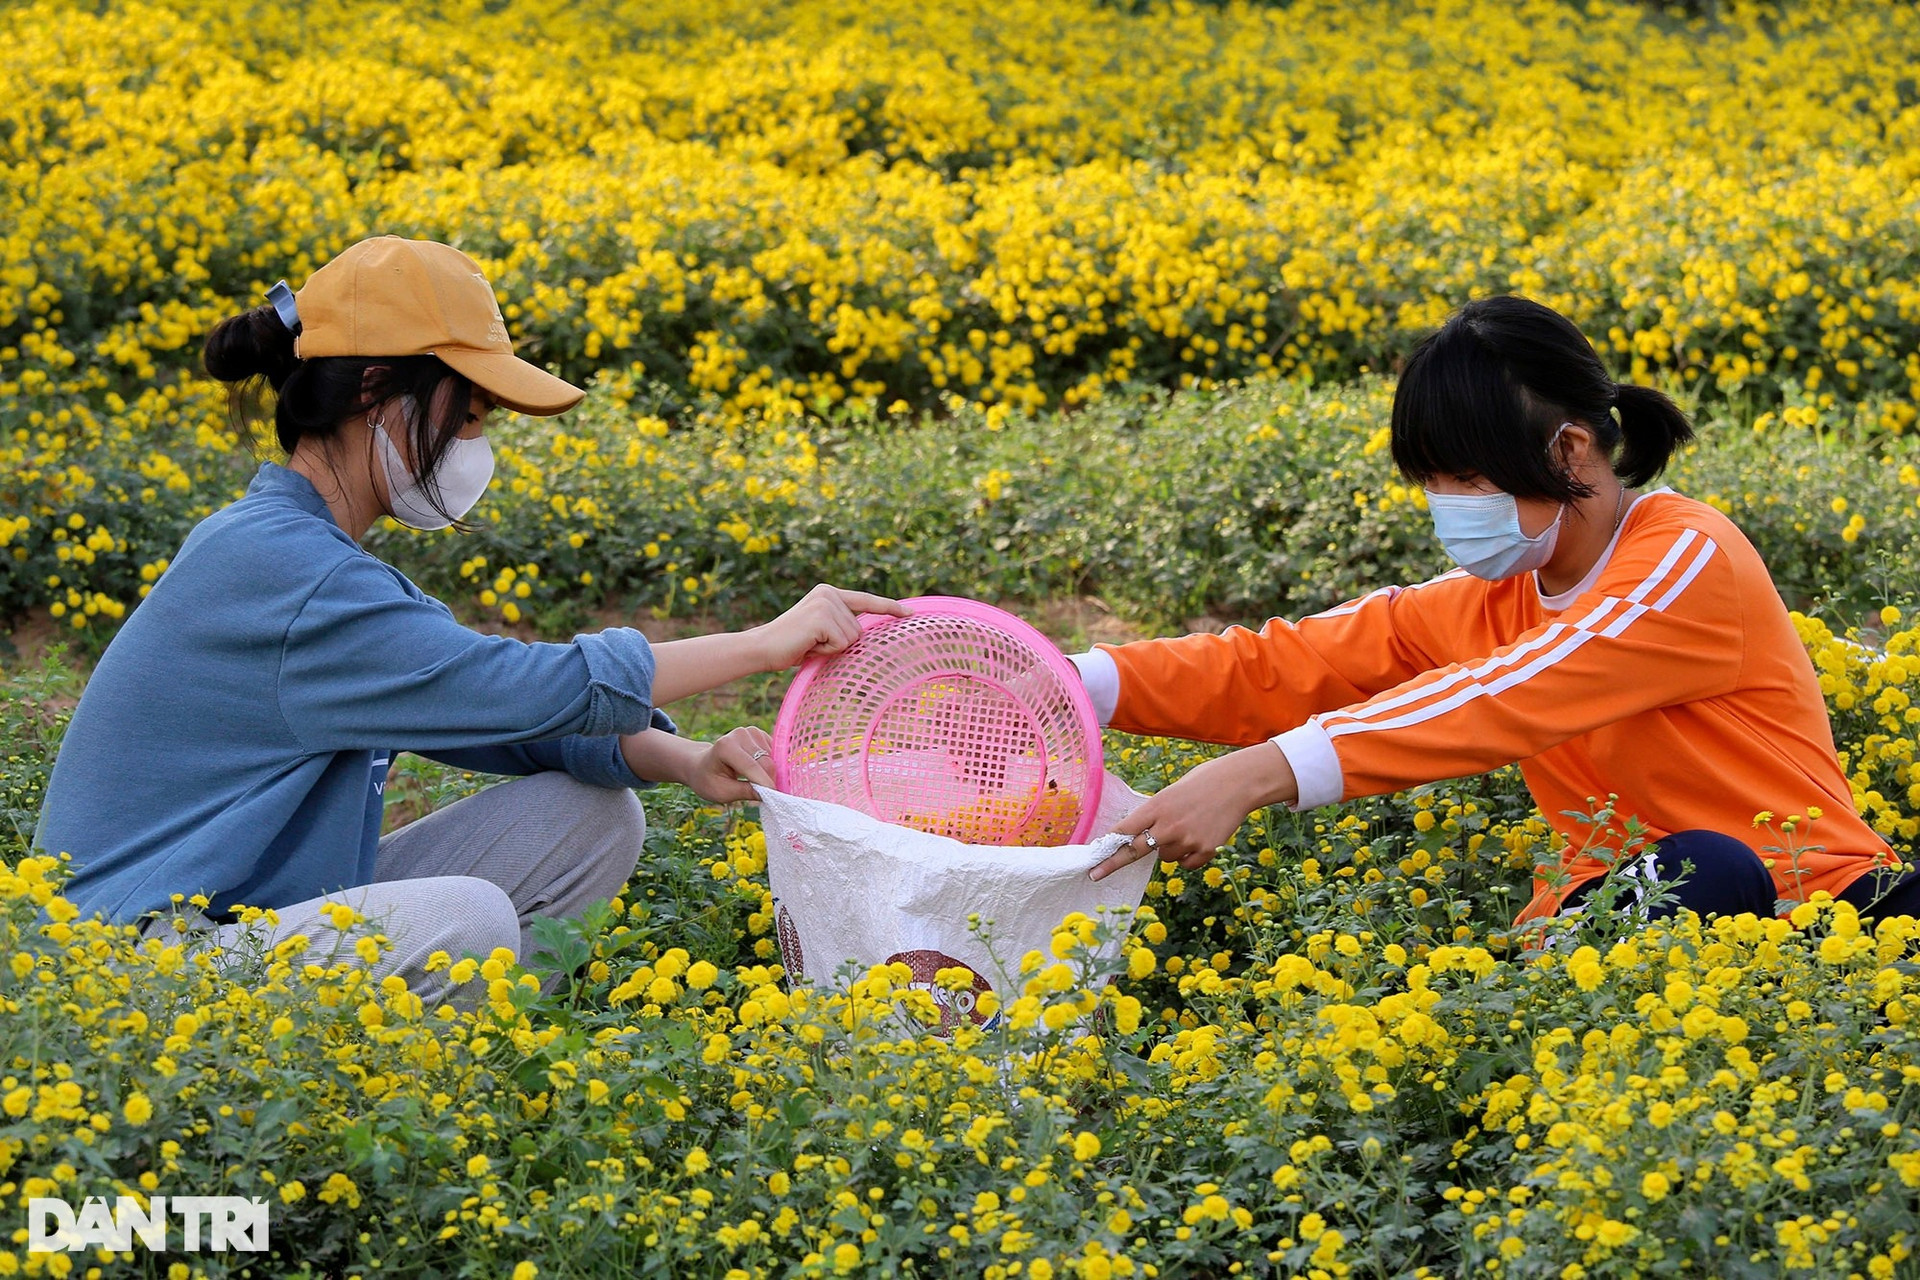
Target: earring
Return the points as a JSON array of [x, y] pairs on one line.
[[376, 424]]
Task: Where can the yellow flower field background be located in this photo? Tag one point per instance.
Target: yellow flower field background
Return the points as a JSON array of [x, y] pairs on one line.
[[787, 205], [1025, 300], [753, 213]]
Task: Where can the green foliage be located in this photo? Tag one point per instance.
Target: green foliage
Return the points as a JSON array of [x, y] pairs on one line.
[[1268, 498], [35, 705]]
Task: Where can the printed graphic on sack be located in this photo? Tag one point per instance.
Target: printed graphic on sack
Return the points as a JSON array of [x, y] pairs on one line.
[[792, 958], [953, 1004]]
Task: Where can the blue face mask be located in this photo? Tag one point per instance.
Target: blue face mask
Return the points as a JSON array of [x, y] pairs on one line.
[[1481, 531]]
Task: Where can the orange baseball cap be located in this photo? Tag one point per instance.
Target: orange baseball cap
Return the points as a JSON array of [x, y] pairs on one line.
[[394, 297]]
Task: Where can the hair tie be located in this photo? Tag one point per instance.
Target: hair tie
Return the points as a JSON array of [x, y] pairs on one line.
[[1613, 396], [284, 306]]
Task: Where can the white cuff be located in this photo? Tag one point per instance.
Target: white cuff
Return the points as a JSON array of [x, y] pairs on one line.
[[1316, 766], [1101, 674]]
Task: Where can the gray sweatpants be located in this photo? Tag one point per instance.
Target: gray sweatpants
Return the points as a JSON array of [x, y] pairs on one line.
[[467, 879]]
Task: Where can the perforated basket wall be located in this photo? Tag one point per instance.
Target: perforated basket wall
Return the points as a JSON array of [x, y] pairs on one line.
[[960, 720]]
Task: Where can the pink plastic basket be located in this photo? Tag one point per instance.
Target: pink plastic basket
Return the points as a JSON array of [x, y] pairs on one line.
[[960, 720]]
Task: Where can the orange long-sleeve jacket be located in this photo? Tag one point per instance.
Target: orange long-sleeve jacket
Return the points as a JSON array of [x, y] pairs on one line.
[[1671, 677]]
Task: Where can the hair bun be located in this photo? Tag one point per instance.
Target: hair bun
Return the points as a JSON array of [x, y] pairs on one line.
[[253, 344]]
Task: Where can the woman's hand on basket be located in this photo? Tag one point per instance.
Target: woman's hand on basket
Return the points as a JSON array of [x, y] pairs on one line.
[[826, 620], [1190, 820], [719, 772], [727, 768]]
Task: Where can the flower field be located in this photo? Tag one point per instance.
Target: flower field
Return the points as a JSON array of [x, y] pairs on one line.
[[749, 213], [1026, 300], [1316, 1058]]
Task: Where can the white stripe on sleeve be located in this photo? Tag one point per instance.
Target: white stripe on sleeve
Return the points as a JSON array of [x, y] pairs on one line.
[[1558, 641], [1354, 606], [1550, 636]]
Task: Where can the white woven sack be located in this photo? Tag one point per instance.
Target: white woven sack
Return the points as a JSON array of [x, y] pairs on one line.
[[848, 887]]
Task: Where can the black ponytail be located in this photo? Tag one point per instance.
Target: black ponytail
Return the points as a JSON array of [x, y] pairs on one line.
[[1485, 395], [1652, 426]]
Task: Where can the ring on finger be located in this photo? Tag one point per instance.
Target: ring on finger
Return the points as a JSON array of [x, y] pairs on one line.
[[1153, 846], [759, 755]]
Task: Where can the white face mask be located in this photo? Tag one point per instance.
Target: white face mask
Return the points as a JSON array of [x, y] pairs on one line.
[[462, 476], [1481, 531]]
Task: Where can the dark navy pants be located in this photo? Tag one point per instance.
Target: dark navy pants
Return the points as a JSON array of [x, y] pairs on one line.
[[1878, 895], [1727, 878]]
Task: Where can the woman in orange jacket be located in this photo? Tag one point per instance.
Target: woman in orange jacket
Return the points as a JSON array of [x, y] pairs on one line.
[[1611, 639]]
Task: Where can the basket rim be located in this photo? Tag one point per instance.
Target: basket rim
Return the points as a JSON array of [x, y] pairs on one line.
[[975, 611]]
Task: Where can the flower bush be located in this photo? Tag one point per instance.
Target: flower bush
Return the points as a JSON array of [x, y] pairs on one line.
[[1348, 1081], [1320, 1055], [1252, 499]]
